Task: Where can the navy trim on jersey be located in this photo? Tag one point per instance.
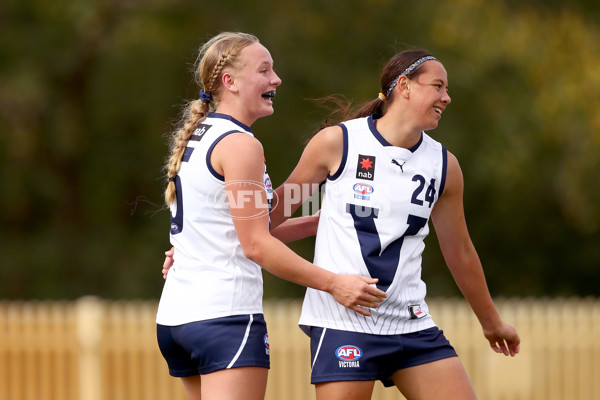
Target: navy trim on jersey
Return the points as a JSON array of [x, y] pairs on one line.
[[209, 152], [177, 219], [416, 146], [230, 118], [375, 132], [381, 139], [344, 154], [187, 153], [444, 170]]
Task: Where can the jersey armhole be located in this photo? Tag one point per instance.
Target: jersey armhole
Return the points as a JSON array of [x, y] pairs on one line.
[[444, 170], [209, 152], [344, 154]]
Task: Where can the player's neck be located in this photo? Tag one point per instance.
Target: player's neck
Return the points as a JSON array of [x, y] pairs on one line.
[[397, 132]]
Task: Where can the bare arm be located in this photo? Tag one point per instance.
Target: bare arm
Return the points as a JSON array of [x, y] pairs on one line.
[[240, 158], [322, 156], [464, 264], [291, 230], [297, 228]]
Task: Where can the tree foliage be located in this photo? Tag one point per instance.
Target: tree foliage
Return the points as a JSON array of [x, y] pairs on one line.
[[88, 91]]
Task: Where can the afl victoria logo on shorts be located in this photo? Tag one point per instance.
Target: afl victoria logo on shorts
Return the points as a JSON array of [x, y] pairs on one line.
[[365, 169], [348, 356]]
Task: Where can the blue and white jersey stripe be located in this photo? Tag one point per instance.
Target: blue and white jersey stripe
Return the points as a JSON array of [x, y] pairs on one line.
[[374, 219]]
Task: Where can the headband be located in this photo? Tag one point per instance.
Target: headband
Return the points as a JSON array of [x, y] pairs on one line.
[[205, 97], [407, 71]]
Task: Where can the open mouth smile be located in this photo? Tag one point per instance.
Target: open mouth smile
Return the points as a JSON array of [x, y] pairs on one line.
[[269, 95]]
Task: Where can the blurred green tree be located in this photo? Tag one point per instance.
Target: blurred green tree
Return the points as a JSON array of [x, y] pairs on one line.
[[88, 90]]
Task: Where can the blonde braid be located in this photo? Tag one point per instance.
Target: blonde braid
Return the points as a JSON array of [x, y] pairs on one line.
[[194, 114], [214, 79], [214, 56]]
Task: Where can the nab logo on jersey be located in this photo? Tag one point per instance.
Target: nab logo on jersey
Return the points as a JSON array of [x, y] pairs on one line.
[[365, 169], [348, 353], [200, 131]]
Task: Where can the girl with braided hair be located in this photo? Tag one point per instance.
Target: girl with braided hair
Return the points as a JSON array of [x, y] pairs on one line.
[[210, 324]]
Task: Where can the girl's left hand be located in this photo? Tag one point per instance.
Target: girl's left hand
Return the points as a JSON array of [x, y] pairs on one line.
[[504, 340]]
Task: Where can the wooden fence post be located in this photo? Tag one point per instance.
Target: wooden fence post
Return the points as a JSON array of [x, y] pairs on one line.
[[89, 315]]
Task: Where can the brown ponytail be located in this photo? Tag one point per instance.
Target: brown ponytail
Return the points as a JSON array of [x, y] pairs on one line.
[[395, 65]]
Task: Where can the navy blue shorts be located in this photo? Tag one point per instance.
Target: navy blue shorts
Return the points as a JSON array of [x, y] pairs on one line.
[[207, 346], [352, 356]]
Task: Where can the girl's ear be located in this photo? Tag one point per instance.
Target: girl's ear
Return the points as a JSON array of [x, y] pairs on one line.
[[229, 82], [404, 86]]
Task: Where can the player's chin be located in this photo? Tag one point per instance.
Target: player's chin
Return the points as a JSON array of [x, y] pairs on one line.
[[430, 128], [269, 109], [264, 111], [434, 124]]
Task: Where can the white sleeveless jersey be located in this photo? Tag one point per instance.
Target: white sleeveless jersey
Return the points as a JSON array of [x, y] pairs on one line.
[[210, 277], [374, 218]]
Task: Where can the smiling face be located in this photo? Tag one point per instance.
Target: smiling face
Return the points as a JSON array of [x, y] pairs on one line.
[[254, 83], [429, 94]]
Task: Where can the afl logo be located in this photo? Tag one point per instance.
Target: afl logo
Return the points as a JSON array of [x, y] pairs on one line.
[[266, 340], [348, 353], [268, 184], [362, 188]]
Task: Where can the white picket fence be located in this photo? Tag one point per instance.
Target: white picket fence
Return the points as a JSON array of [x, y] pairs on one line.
[[94, 349]]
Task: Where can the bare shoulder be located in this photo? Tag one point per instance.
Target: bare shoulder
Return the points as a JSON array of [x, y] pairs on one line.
[[454, 177], [331, 137], [452, 160], [324, 151], [241, 142], [237, 152]]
